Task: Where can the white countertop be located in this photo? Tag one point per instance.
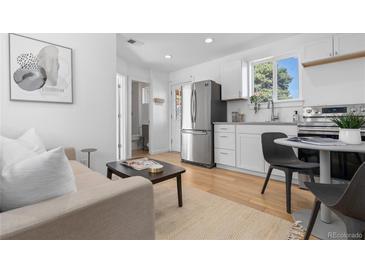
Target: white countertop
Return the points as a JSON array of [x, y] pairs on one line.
[[346, 148], [257, 123]]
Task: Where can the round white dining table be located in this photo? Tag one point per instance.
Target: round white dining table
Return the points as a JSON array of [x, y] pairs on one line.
[[324, 178]]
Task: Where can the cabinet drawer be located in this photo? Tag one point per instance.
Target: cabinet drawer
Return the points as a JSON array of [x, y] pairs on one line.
[[225, 157], [224, 128], [258, 129], [225, 140]]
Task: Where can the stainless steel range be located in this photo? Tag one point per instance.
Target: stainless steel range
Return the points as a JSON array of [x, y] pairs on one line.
[[317, 122]]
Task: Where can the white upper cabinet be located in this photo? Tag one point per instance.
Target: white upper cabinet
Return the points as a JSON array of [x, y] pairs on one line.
[[234, 80], [335, 48], [321, 49], [348, 43]]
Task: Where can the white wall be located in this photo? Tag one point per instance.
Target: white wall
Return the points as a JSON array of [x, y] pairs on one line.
[[159, 118], [134, 72], [90, 120], [337, 83]]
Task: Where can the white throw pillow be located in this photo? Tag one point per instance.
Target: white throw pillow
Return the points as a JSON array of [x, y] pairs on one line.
[[12, 151], [15, 150], [31, 140], [36, 179]]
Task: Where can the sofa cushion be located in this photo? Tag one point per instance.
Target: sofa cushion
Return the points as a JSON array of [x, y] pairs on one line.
[[86, 178], [79, 168], [90, 180], [36, 179]]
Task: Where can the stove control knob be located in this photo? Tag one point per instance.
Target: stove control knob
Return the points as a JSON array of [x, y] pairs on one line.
[[353, 110], [362, 109], [308, 110]]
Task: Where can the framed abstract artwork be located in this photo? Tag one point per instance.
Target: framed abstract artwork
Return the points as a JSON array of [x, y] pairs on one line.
[[39, 71]]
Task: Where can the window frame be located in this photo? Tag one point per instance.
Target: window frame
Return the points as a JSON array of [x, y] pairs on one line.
[[275, 59]]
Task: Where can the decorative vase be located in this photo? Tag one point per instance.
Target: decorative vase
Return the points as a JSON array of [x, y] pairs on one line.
[[351, 136]]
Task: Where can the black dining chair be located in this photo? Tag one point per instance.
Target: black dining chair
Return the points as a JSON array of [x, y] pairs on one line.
[[283, 158], [347, 201]]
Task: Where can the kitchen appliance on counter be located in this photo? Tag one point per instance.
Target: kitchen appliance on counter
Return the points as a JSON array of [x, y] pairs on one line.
[[317, 123], [201, 106], [238, 117]]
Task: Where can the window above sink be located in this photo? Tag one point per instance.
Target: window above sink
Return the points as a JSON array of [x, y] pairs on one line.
[[276, 78]]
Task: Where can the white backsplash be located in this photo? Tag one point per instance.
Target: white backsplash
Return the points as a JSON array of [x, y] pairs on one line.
[[264, 114]]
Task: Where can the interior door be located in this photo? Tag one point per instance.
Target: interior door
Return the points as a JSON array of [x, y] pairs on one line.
[[176, 106]]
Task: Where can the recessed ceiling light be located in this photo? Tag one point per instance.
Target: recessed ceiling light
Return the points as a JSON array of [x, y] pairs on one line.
[[168, 56], [208, 40]]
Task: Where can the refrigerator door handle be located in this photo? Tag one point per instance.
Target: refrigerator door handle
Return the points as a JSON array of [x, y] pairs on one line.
[[191, 105], [195, 132], [195, 105]]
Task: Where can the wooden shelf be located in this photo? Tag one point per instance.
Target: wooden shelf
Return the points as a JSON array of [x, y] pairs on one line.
[[334, 59]]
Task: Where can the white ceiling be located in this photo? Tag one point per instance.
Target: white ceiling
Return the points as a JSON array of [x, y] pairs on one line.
[[187, 49]]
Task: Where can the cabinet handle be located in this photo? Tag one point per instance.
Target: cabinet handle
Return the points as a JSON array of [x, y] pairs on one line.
[[336, 52], [330, 54], [223, 136], [224, 128], [223, 153]]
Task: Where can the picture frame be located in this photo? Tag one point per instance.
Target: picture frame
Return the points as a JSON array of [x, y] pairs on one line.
[[39, 71]]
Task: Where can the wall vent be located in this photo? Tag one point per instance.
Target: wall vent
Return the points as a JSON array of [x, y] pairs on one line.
[[134, 42]]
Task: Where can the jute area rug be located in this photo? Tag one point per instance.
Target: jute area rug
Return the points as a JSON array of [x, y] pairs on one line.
[[205, 216]]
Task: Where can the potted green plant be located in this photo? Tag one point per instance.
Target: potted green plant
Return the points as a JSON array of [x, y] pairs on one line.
[[257, 98], [350, 125]]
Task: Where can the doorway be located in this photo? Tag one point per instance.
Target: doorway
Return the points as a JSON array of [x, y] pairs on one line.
[[140, 120], [176, 92]]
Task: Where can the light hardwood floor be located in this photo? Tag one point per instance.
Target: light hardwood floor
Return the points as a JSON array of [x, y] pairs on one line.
[[239, 187]]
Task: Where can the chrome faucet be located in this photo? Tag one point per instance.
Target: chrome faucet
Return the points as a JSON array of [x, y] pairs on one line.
[[273, 116]]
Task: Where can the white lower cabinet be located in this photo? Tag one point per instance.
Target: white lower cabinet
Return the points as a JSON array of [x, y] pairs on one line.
[[225, 145], [249, 152], [225, 156], [224, 140], [241, 147]]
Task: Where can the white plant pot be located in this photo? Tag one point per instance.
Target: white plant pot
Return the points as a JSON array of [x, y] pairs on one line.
[[351, 136]]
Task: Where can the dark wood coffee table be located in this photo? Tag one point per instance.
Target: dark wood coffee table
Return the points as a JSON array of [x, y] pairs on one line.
[[169, 171]]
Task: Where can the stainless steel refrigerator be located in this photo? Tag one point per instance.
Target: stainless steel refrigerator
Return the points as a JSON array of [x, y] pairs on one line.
[[201, 106]]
